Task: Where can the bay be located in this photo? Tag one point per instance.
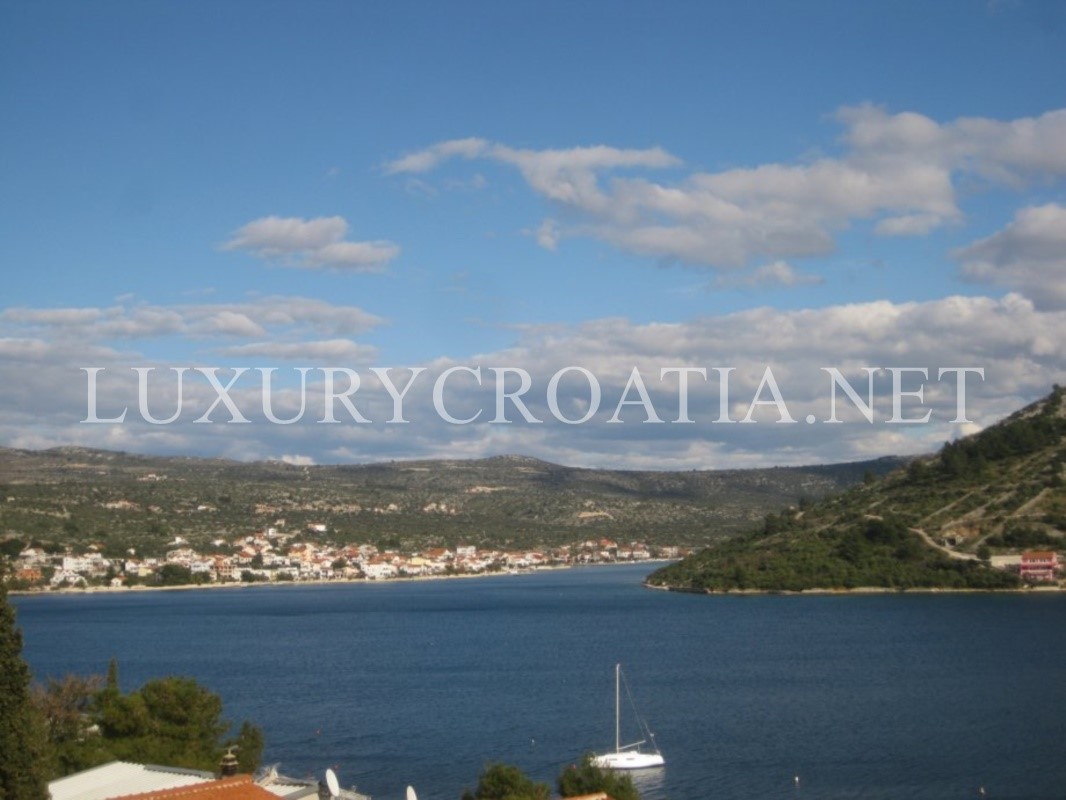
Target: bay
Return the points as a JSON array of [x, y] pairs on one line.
[[881, 696]]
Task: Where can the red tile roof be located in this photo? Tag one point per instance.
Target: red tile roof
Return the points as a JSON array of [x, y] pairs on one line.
[[239, 787]]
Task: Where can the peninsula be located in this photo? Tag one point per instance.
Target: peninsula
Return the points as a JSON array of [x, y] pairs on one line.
[[986, 512]]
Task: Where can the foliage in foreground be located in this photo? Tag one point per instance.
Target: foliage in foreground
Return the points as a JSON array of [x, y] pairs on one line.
[[507, 782], [587, 778], [172, 721], [23, 751]]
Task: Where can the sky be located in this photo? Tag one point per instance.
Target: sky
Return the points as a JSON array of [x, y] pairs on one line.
[[670, 231]]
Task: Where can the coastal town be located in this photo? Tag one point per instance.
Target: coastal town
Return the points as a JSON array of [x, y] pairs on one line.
[[272, 555]]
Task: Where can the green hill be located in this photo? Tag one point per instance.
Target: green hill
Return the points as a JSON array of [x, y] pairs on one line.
[[80, 497], [936, 523]]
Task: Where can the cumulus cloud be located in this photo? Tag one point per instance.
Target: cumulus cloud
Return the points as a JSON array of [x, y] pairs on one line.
[[43, 392], [311, 244], [897, 171], [1028, 255]]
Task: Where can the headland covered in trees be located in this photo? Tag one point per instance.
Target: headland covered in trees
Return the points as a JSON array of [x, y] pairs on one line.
[[975, 516]]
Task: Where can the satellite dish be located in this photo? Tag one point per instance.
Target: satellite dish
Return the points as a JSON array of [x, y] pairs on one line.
[[331, 782], [411, 793]]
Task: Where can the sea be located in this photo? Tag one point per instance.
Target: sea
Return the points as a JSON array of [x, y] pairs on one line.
[[423, 683]]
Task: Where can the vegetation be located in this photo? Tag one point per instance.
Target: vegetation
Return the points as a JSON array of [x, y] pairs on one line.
[[587, 778], [172, 721], [177, 575], [23, 749], [115, 502], [870, 553], [935, 523], [80, 722], [506, 782]]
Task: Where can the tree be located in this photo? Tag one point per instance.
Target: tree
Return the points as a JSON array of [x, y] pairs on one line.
[[172, 721], [588, 778], [65, 706], [249, 745], [174, 575], [24, 752], [506, 782]]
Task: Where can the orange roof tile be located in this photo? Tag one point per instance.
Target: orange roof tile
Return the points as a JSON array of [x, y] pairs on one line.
[[239, 787]]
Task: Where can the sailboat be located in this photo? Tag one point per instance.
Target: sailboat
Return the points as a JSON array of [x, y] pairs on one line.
[[628, 756]]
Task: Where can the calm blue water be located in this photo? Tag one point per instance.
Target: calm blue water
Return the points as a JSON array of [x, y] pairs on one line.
[[863, 697]]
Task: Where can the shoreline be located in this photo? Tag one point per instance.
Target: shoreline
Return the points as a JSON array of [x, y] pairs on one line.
[[812, 592], [214, 585], [858, 590]]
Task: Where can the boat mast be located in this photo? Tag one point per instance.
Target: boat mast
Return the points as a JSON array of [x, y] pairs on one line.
[[617, 709]]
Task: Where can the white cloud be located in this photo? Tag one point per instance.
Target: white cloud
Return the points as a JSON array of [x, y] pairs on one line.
[[776, 273], [226, 322], [51, 316], [43, 390], [565, 176], [354, 255], [313, 243], [1008, 151], [23, 349], [547, 235], [1028, 255], [896, 170], [279, 316], [275, 236], [907, 225], [298, 461], [333, 352], [320, 316], [431, 157]]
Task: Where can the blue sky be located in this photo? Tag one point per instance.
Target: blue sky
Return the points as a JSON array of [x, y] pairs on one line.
[[538, 185]]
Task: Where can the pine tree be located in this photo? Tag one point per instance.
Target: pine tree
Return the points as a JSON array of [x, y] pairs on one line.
[[23, 748]]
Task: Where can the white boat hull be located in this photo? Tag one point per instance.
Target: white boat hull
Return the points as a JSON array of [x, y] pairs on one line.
[[631, 760]]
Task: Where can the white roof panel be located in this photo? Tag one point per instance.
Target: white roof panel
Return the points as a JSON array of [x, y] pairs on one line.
[[121, 778]]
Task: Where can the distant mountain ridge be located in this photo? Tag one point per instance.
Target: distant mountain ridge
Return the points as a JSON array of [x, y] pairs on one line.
[[116, 501], [938, 522]]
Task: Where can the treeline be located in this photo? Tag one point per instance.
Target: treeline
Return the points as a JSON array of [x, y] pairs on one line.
[[507, 782], [788, 555], [1024, 537], [869, 535], [174, 721], [1022, 436]]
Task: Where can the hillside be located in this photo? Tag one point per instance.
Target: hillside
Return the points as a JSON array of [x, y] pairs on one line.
[[937, 522], [80, 497]]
